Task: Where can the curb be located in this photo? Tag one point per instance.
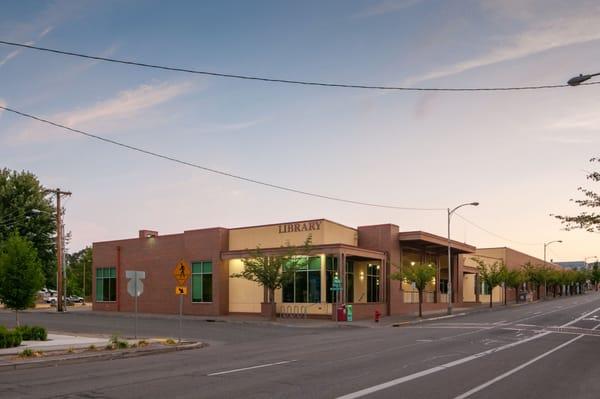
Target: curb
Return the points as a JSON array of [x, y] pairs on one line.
[[96, 357]]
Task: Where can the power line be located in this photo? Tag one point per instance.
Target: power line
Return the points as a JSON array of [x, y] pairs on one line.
[[285, 81], [216, 171], [494, 234]]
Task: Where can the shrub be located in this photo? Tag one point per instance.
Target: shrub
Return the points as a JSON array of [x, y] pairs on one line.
[[34, 333], [116, 342], [26, 353], [8, 338]]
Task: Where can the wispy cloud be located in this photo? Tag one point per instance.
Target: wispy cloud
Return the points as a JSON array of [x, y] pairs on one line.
[[582, 120], [551, 34], [126, 104], [16, 52], [386, 7]]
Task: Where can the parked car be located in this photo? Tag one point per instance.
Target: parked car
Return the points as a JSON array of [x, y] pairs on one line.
[[74, 299]]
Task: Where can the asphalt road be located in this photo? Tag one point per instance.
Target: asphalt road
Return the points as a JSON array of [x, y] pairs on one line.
[[547, 349]]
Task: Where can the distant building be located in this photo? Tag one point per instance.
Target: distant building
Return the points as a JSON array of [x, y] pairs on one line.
[[574, 265]]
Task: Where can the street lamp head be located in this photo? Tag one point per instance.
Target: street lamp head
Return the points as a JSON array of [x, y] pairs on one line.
[[577, 80], [560, 241], [474, 203]]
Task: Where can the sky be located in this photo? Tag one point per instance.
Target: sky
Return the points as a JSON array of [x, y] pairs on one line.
[[521, 154]]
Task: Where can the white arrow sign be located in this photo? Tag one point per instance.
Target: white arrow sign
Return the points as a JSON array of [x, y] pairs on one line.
[[135, 286]]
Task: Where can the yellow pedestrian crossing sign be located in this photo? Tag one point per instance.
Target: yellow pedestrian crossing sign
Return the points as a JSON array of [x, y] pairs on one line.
[[181, 290], [182, 272]]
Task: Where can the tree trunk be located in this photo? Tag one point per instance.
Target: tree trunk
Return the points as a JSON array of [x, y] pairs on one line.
[[17, 318], [420, 303], [516, 294], [505, 299], [491, 295]]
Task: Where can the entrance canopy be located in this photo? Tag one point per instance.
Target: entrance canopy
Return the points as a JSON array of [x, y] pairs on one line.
[[432, 243]]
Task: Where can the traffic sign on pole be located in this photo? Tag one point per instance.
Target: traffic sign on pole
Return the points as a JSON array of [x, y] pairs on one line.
[[182, 272], [135, 288]]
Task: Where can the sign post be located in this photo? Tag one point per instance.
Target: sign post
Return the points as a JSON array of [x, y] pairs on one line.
[[181, 272], [135, 288]]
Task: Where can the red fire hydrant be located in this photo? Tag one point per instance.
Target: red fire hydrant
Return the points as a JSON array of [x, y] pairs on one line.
[[377, 316]]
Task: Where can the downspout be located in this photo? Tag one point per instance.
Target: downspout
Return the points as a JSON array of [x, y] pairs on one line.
[[118, 278]]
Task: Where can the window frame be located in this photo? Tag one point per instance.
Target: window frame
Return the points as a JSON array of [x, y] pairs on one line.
[[106, 282], [202, 273]]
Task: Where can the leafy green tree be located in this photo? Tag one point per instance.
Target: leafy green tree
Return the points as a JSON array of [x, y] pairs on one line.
[[274, 271], [513, 278], [419, 274], [80, 266], [25, 210], [595, 275], [553, 279], [491, 274], [20, 274], [589, 221], [533, 276]]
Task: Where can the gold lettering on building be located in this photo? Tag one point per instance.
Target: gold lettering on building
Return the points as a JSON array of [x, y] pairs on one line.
[[299, 227]]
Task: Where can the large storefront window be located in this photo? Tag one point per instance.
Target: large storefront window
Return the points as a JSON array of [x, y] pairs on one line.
[[349, 281], [331, 264], [106, 284], [306, 285], [373, 277], [202, 281]]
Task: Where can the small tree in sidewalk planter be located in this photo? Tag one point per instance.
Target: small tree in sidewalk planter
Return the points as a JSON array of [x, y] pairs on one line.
[[533, 275], [274, 271], [513, 279], [21, 274], [419, 274], [491, 274]]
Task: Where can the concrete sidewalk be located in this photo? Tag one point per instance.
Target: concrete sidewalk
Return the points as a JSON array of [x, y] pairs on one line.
[[298, 322], [56, 342]]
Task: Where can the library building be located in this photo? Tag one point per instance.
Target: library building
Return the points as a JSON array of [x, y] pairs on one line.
[[346, 265]]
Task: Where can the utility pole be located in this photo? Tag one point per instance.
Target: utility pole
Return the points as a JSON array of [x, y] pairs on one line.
[[59, 249]]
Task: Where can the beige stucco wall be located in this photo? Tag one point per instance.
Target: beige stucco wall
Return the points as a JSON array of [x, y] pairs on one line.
[[276, 235], [245, 296], [497, 296], [469, 287]]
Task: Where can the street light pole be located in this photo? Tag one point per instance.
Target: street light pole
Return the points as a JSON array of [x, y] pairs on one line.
[[545, 246], [450, 212]]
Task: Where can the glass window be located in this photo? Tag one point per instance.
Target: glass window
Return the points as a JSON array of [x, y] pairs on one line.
[[331, 264], [305, 287], [349, 281], [373, 273], [443, 286], [202, 281], [106, 284], [485, 289]]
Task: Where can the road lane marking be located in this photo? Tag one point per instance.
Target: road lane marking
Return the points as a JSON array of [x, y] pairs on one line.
[[445, 366], [518, 368], [251, 368], [510, 372]]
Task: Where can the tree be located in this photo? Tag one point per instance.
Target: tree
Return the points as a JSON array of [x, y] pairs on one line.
[[589, 221], [274, 271], [533, 275], [595, 275], [25, 210], [20, 274], [80, 266], [492, 275], [419, 274], [514, 278]]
